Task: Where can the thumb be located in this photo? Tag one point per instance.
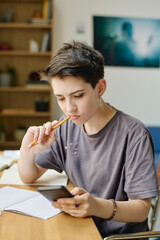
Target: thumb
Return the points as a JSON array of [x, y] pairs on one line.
[[77, 191]]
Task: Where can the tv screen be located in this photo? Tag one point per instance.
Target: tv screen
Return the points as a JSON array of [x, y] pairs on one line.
[[133, 42]]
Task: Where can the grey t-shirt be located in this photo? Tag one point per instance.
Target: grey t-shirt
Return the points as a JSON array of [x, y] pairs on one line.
[[115, 163]]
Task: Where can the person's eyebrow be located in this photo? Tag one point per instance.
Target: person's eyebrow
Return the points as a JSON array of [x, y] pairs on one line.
[[77, 91]]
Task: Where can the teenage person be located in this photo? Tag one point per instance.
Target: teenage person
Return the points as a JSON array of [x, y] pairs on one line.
[[107, 154]]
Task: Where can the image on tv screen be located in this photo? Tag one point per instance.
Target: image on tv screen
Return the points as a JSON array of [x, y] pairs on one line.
[[133, 42]]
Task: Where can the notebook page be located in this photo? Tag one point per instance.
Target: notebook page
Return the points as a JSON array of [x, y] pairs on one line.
[[10, 196], [36, 206]]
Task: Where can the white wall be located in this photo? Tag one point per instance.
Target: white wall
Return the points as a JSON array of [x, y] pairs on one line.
[[136, 91]]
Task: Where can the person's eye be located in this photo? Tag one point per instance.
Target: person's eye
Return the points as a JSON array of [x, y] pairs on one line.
[[79, 96], [60, 99]]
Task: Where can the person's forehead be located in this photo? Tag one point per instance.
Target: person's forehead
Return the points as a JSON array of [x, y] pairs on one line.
[[68, 85]]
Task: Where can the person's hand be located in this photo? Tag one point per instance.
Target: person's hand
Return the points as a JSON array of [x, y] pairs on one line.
[[81, 205], [44, 135]]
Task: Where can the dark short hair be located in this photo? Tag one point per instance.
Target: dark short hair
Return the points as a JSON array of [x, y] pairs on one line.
[[76, 59]]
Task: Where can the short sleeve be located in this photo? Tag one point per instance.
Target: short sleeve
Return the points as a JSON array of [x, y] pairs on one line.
[[140, 173], [47, 159]]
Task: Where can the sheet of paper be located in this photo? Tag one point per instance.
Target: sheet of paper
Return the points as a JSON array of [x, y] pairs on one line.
[[6, 161], [26, 202], [11, 153], [10, 196], [50, 177], [37, 206]]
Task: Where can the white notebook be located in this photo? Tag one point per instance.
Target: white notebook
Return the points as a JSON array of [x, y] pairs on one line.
[[26, 202]]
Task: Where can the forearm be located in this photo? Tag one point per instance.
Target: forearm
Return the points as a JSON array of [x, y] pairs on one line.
[[29, 171], [127, 211], [27, 168]]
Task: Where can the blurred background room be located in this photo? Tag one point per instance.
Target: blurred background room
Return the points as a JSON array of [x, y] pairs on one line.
[[31, 31]]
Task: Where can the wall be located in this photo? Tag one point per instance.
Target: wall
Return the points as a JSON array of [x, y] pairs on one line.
[[135, 91]]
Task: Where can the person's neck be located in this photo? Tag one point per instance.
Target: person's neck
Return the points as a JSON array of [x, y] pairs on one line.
[[102, 116]]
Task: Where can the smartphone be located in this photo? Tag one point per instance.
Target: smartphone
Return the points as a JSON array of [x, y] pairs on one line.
[[54, 192]]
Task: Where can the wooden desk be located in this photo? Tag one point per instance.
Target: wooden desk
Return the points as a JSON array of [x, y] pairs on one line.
[[15, 226]]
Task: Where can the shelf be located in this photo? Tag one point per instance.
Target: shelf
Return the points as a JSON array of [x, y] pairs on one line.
[[25, 53], [23, 112], [21, 1], [25, 25], [18, 103], [11, 144], [26, 89]]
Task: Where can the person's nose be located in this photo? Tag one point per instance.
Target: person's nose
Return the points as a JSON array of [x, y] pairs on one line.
[[70, 106]]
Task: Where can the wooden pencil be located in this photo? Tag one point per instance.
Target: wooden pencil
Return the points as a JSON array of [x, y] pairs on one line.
[[32, 143]]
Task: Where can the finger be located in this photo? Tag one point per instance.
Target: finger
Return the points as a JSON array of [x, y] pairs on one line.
[[69, 201], [78, 191], [41, 133], [74, 211], [48, 127], [68, 207], [54, 123], [36, 133]]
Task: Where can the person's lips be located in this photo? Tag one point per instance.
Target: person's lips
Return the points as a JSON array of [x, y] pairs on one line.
[[74, 117]]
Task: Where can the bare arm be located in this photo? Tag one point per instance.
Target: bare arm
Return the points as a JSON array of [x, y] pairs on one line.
[[29, 171], [134, 210]]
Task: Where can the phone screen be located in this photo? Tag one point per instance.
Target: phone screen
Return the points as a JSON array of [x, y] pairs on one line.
[[54, 192]]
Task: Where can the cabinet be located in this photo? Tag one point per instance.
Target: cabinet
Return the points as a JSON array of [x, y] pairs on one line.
[[18, 109]]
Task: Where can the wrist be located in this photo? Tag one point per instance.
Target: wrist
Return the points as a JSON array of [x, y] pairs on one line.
[[114, 210], [102, 208], [24, 149]]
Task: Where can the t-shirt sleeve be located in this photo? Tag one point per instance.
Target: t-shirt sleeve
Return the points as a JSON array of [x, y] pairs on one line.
[[140, 174], [50, 158]]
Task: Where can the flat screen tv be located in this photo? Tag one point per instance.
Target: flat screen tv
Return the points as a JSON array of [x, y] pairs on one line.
[[133, 42]]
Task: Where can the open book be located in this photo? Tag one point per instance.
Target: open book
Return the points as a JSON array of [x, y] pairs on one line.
[[26, 202], [6, 162]]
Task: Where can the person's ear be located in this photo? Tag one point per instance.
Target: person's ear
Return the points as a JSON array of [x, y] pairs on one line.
[[101, 87]]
